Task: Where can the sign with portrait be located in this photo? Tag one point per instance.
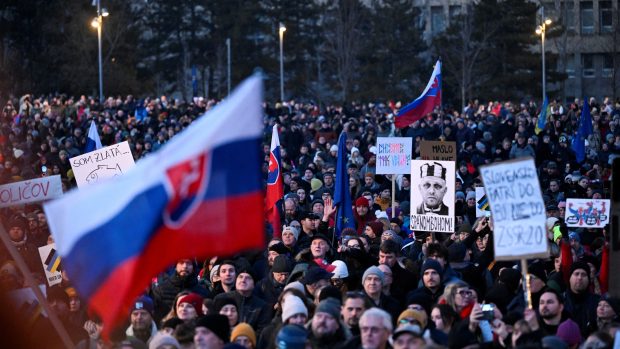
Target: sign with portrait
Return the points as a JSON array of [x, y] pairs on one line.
[[393, 155], [432, 196], [517, 209], [587, 213]]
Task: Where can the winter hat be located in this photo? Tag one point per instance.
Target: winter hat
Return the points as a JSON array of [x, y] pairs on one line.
[[419, 316], [315, 184], [465, 227], [333, 148], [341, 271], [216, 323], [315, 274], [354, 149], [295, 285], [405, 206], [551, 222], [214, 271], [222, 301], [538, 269], [471, 195], [614, 303], [292, 305], [291, 337], [456, 252], [568, 331], [432, 264], [362, 201], [511, 278], [194, 299], [329, 306], [374, 270], [288, 228], [580, 265], [553, 342], [161, 338], [244, 329], [279, 248], [281, 264], [145, 303], [459, 195], [573, 235]]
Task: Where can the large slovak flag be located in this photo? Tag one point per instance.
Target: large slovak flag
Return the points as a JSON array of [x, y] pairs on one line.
[[423, 105], [275, 187], [93, 142], [200, 195]]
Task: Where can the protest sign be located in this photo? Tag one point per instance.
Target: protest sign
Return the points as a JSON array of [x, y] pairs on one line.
[[97, 165], [33, 190], [26, 304], [50, 258], [432, 196], [482, 203], [517, 209], [393, 155], [438, 150], [587, 213]]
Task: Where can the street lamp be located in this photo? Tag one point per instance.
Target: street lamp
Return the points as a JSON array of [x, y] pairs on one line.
[[98, 23], [282, 30], [541, 30]]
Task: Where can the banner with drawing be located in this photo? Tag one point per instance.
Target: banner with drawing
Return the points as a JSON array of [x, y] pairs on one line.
[[587, 213], [103, 163], [51, 261], [32, 190], [482, 203], [517, 209]]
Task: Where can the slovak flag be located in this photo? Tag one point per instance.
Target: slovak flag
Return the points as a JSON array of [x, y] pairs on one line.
[[423, 105], [275, 188], [201, 195], [93, 142]]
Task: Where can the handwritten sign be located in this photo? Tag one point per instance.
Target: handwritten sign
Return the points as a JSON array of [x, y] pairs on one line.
[[50, 258], [103, 163], [587, 213], [517, 209], [432, 196], [33, 190], [25, 301], [437, 150], [482, 203], [393, 155]]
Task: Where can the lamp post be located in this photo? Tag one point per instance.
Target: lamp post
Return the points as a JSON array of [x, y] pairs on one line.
[[541, 30], [98, 23], [282, 30]]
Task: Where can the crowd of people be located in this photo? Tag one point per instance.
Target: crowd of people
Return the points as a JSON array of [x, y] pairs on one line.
[[378, 285]]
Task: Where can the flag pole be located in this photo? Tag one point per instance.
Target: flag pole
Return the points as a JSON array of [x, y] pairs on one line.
[[393, 196], [23, 268], [526, 284]]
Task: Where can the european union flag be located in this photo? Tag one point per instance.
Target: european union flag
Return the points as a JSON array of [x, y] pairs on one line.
[[585, 129], [342, 197]]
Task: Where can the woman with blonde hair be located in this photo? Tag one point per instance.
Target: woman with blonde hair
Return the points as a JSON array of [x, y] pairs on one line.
[[459, 297]]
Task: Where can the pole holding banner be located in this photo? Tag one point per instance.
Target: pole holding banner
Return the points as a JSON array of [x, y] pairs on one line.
[[23, 268], [527, 293], [393, 196]]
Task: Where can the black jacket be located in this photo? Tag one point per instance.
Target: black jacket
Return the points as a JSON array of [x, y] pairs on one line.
[[252, 310], [163, 295]]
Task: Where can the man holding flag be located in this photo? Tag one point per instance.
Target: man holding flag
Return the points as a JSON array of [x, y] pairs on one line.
[[275, 188], [423, 105]]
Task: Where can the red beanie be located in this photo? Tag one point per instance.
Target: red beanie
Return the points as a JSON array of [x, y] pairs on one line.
[[193, 299], [362, 201]]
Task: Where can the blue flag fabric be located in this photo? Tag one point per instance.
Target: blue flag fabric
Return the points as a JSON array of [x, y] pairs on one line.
[[342, 197], [92, 142], [584, 130], [542, 118]]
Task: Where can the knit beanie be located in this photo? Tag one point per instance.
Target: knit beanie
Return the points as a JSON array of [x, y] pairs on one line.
[[144, 303], [362, 201], [456, 252], [222, 301], [432, 264], [614, 303], [580, 265], [244, 329], [281, 264], [341, 271], [214, 271], [194, 299], [291, 337], [291, 306], [216, 323], [419, 316], [329, 306], [161, 338], [374, 270], [288, 228], [569, 332]]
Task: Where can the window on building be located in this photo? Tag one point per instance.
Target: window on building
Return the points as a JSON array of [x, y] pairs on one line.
[[438, 22], [608, 66], [568, 15], [606, 16], [587, 65], [587, 17], [570, 66]]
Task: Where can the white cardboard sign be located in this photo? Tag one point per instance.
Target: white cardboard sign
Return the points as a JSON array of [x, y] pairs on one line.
[[432, 196], [587, 213], [482, 203], [50, 259], [517, 209], [103, 163], [393, 155], [33, 190]]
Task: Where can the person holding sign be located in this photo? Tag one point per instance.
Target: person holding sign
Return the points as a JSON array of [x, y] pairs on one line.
[[432, 187]]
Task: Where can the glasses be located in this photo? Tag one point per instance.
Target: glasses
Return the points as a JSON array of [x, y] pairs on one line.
[[408, 321], [465, 293]]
